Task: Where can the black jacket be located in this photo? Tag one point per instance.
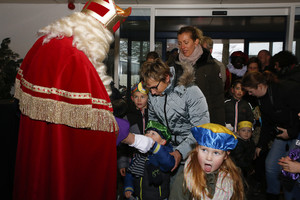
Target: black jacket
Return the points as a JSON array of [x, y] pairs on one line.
[[208, 79], [279, 108], [243, 112], [243, 155]]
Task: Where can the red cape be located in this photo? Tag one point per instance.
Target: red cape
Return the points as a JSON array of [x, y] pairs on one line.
[[67, 137]]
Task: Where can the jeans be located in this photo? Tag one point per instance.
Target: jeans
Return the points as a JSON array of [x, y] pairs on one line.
[[273, 169]]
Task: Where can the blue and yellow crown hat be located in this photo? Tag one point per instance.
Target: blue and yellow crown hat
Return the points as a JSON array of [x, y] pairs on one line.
[[160, 129], [214, 136], [244, 124], [139, 88]]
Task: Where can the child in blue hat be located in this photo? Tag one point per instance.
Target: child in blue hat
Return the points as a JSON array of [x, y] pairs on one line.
[[209, 172]]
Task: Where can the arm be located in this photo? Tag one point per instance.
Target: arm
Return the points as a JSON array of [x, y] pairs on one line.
[[123, 129], [162, 155], [198, 114], [266, 133], [293, 130], [128, 185], [140, 142], [124, 155], [151, 113], [291, 96]]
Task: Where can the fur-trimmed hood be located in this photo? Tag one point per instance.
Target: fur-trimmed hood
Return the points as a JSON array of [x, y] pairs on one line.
[[185, 74]]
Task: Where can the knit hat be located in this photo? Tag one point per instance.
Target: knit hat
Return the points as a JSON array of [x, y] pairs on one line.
[[139, 88], [160, 129], [244, 124], [214, 136]]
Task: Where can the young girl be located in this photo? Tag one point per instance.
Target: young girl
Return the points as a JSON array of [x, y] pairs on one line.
[[236, 108], [209, 172]]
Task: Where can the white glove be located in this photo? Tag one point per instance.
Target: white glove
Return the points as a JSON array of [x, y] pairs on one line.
[[142, 143], [229, 127]]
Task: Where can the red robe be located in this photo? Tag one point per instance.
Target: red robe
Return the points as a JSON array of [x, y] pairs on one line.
[[67, 138]]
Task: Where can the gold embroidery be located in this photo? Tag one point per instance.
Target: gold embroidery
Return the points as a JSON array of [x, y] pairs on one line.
[[63, 93], [58, 112]]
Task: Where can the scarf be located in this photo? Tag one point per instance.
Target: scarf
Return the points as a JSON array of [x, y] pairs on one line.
[[192, 59], [211, 180]]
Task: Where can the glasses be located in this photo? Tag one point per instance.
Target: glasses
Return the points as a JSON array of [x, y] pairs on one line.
[[154, 87]]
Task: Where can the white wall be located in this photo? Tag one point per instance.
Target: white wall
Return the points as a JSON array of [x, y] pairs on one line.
[[20, 22]]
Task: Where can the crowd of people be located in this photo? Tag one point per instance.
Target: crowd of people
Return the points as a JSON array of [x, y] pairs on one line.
[[254, 99], [177, 137]]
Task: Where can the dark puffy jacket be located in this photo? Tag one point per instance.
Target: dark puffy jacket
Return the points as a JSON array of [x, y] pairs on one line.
[[208, 78], [158, 165], [243, 155], [241, 110]]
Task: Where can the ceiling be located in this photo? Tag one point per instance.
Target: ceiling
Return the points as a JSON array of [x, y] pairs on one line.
[[135, 2]]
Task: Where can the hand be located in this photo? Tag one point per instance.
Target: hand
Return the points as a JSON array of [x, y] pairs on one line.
[[128, 194], [284, 134], [177, 157], [289, 165], [257, 152], [123, 172], [142, 143]]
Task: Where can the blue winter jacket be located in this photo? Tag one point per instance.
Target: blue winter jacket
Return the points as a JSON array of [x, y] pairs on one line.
[[159, 156]]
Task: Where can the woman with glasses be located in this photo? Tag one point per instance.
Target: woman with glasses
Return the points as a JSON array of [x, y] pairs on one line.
[[175, 102]]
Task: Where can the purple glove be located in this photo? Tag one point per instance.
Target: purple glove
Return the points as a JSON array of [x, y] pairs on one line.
[[294, 155], [123, 129]]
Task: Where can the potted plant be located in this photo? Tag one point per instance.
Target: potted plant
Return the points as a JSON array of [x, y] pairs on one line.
[[9, 119], [9, 64]]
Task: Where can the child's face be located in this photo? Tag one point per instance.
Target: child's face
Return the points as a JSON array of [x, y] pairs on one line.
[[253, 67], [237, 91], [156, 137], [245, 133], [140, 100], [210, 159]]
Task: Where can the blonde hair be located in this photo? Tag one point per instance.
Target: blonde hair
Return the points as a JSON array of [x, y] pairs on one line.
[[195, 32], [208, 41], [89, 36], [198, 181]]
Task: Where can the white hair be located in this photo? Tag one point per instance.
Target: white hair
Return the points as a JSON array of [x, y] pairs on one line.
[[89, 36]]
